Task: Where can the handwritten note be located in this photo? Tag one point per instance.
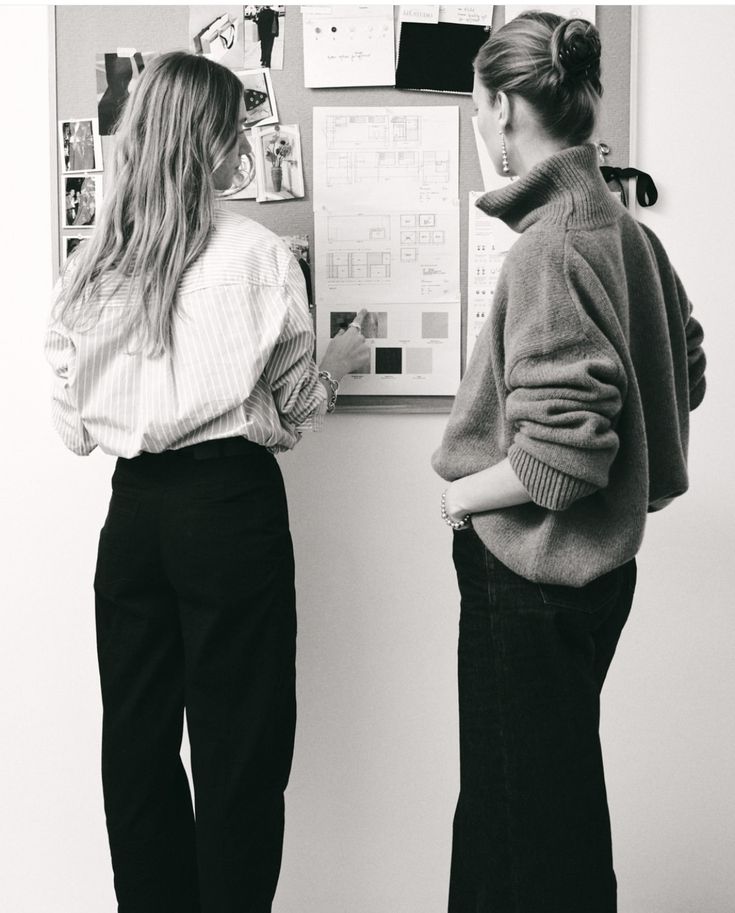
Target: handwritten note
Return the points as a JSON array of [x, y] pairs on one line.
[[467, 15], [421, 13], [348, 46]]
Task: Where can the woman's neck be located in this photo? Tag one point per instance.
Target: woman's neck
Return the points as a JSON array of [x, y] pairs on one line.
[[528, 152]]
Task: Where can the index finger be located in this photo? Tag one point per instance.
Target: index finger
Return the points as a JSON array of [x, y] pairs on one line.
[[359, 317]]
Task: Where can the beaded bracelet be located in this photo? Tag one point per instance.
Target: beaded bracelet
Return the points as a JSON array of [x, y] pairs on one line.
[[333, 387], [455, 524]]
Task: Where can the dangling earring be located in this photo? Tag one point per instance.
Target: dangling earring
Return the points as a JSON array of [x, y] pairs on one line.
[[506, 166]]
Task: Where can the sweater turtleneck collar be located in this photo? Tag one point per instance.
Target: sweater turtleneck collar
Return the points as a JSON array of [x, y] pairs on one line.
[[566, 188]]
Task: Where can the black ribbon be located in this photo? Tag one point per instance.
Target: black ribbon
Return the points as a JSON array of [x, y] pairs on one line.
[[645, 189]]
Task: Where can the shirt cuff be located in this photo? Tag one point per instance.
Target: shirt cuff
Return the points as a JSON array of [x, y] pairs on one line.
[[548, 487], [315, 421]]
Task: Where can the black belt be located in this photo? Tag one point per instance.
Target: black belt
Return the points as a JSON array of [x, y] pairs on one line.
[[206, 450], [224, 447]]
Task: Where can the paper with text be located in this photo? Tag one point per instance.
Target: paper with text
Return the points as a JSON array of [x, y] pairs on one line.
[[388, 256], [414, 347], [386, 231], [467, 15], [385, 158], [419, 13], [489, 241], [348, 46]]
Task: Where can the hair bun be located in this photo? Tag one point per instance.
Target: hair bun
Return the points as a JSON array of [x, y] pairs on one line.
[[576, 49]]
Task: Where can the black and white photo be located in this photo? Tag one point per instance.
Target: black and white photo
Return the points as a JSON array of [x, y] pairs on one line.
[[79, 145], [81, 197], [264, 36], [279, 168]]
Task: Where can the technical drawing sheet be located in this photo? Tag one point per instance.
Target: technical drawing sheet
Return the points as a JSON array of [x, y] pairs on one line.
[[386, 227], [490, 240], [391, 158]]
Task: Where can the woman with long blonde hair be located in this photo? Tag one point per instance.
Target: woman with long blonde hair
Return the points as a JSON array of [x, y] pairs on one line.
[[181, 343]]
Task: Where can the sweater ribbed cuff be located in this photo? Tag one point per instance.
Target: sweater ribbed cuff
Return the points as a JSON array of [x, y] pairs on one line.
[[696, 394], [548, 487]]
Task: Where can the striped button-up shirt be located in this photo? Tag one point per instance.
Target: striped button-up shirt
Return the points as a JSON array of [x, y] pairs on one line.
[[240, 364]]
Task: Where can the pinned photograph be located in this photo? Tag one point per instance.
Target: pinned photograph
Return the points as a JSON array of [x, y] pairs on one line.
[[80, 146], [244, 184], [264, 36], [374, 324], [82, 196], [69, 243], [260, 100], [217, 33], [279, 168], [117, 73]]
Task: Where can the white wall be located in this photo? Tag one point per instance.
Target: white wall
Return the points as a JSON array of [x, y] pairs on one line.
[[669, 722], [375, 772]]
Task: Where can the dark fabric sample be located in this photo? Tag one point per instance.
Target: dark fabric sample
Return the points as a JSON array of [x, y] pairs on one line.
[[388, 361], [438, 57]]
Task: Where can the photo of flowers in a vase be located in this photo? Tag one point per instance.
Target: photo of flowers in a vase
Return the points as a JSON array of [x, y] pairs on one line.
[[277, 152], [279, 171]]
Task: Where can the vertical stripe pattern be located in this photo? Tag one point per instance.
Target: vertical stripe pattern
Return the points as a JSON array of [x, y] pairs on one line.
[[241, 362]]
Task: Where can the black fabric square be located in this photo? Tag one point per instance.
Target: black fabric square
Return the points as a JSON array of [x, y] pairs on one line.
[[438, 57], [388, 361]]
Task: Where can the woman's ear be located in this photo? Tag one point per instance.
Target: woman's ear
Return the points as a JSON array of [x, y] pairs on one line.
[[502, 105]]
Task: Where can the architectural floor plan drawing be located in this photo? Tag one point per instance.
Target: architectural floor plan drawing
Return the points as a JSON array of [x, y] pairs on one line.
[[362, 227], [350, 131], [399, 256], [386, 232], [385, 157], [344, 266]]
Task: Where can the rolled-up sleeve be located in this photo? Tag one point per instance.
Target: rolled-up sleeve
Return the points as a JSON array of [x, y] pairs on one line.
[[291, 371], [562, 406], [566, 387], [696, 359]]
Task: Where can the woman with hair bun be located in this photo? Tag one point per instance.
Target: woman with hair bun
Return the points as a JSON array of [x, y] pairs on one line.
[[181, 343], [570, 425]]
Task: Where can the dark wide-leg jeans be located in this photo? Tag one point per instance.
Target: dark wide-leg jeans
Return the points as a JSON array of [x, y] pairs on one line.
[[531, 829], [195, 611]]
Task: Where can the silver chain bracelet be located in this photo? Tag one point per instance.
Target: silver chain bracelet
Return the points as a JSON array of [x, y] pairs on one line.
[[333, 387]]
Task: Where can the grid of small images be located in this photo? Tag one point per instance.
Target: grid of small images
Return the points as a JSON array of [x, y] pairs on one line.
[[80, 160], [81, 145]]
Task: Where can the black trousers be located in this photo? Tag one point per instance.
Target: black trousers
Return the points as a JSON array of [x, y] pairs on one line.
[[531, 829], [266, 49], [195, 612]]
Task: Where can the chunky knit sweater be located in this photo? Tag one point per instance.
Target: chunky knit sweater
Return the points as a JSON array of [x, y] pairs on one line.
[[583, 376]]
